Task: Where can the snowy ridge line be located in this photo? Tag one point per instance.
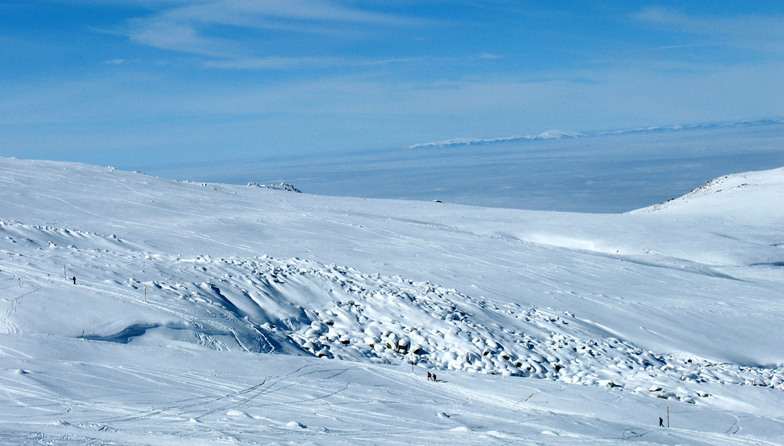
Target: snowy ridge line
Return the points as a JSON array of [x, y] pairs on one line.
[[304, 307]]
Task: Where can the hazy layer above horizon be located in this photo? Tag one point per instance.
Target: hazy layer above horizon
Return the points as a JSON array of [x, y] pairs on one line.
[[604, 174]]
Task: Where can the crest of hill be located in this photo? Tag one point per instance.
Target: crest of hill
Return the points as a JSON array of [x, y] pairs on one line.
[[755, 196]]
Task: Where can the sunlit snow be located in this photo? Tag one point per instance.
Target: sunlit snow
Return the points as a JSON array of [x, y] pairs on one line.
[[212, 313]]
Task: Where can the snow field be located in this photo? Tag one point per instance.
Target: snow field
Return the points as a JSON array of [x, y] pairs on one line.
[[303, 307], [183, 291], [76, 391]]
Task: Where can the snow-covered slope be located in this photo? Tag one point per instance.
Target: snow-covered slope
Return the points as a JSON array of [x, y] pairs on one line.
[[677, 304], [755, 195]]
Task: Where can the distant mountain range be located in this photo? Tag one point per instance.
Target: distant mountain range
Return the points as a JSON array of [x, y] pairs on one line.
[[560, 134], [550, 134]]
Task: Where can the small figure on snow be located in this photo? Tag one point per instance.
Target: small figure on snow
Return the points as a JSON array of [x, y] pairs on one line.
[[429, 376], [661, 422], [74, 279]]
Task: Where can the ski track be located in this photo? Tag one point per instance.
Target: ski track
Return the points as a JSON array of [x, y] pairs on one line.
[[10, 327]]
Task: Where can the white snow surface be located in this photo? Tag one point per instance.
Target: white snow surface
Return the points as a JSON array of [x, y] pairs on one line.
[[217, 314]]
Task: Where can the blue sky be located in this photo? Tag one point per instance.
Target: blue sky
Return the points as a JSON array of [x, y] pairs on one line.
[[143, 82]]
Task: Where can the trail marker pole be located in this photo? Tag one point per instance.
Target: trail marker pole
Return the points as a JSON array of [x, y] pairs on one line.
[[529, 397], [145, 293], [65, 272], [668, 416], [49, 278], [19, 279]]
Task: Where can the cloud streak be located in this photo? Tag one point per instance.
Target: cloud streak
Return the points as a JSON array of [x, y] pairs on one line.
[[747, 32], [197, 28]]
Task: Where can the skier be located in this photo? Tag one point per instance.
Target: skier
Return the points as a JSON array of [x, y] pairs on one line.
[[74, 279], [661, 422]]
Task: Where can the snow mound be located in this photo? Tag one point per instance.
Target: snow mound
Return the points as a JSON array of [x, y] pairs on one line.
[[749, 195]]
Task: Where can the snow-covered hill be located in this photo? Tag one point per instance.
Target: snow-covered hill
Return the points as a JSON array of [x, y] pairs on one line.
[[757, 195], [678, 304]]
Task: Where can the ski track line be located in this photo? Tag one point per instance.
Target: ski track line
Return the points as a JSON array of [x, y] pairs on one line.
[[266, 387], [192, 380], [735, 428], [101, 289], [719, 438], [262, 391], [10, 327], [4, 349], [33, 273], [199, 402], [405, 379], [41, 393], [27, 394], [72, 205], [506, 403]]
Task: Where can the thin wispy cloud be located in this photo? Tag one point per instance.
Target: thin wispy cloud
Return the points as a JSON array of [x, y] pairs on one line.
[[276, 63], [247, 12], [749, 32], [180, 36], [197, 29], [285, 63]]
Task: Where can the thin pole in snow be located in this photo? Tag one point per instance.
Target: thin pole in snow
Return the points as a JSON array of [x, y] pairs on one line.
[[65, 272], [20, 281], [145, 293], [668, 416], [529, 397]]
